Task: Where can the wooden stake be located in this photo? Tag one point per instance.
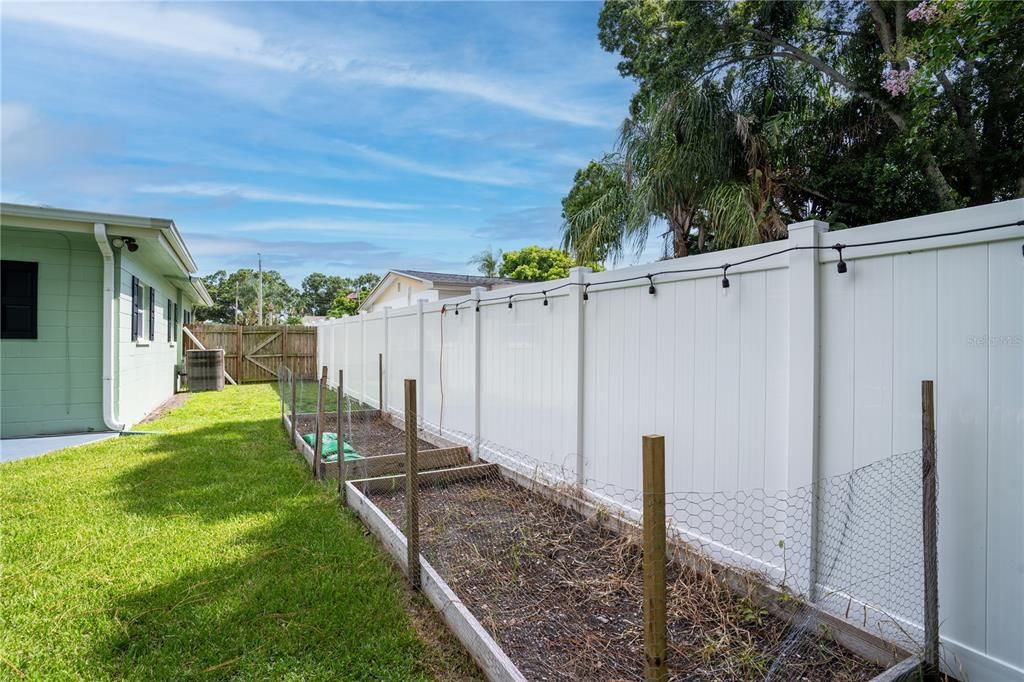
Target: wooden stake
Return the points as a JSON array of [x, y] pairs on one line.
[[341, 435], [655, 629], [412, 506], [929, 513], [294, 409], [318, 444]]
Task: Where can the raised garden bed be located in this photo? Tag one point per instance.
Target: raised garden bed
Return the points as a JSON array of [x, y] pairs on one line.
[[562, 596], [368, 433]]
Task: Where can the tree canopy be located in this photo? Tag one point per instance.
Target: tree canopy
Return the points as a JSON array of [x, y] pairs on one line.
[[279, 298], [319, 295], [849, 112], [319, 292], [538, 264], [487, 262]]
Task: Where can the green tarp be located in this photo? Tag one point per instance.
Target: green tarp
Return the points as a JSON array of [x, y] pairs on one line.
[[329, 451]]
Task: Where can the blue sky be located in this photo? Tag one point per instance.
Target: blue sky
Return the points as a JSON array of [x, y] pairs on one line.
[[343, 138]]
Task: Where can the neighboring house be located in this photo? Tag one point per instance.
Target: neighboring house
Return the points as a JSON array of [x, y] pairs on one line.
[[92, 311], [400, 288]]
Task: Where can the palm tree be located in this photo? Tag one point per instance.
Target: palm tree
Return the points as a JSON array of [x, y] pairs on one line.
[[487, 262], [692, 161]]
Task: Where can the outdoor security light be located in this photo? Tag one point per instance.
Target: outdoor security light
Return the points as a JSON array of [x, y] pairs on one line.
[[128, 242]]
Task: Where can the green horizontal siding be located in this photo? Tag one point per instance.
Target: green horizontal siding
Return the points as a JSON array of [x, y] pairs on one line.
[[53, 384]]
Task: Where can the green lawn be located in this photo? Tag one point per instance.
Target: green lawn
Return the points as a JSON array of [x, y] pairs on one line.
[[306, 396], [205, 552]]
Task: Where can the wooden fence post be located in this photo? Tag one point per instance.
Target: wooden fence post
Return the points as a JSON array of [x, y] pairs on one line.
[[284, 346], [412, 507], [280, 388], [929, 513], [238, 356], [655, 621], [319, 442], [294, 406], [341, 435]]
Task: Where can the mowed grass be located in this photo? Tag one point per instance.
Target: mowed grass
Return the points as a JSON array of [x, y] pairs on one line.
[[205, 552], [307, 394]]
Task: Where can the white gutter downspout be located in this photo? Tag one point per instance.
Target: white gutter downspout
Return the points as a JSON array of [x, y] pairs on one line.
[[100, 232]]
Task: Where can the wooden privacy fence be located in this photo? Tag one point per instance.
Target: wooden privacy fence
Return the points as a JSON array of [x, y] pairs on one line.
[[253, 354]]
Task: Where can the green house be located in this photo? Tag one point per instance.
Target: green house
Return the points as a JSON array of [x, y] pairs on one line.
[[92, 311]]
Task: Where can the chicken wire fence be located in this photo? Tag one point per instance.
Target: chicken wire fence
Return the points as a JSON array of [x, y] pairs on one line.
[[308, 410], [553, 569]]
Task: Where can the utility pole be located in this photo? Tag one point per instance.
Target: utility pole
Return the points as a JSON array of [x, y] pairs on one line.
[[236, 301], [260, 297]]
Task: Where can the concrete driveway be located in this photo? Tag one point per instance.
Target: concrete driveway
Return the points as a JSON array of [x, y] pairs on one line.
[[13, 449]]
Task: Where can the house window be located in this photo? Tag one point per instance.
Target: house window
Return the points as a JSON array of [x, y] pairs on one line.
[[170, 321], [20, 280], [399, 287], [136, 309], [176, 318], [152, 314], [188, 317]]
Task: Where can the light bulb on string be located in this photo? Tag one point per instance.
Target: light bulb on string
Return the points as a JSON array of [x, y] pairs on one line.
[[841, 265]]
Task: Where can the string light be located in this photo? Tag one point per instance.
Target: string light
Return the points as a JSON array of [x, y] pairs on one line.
[[545, 298], [841, 265]]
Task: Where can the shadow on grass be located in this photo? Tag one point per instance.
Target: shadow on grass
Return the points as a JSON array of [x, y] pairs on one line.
[[271, 580]]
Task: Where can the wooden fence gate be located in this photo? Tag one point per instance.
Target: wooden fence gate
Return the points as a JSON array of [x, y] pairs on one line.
[[253, 354]]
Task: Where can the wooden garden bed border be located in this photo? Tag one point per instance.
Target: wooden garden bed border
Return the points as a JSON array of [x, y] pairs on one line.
[[491, 658], [495, 663]]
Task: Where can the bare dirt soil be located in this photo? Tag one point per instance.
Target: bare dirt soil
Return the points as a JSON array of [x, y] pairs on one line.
[[172, 403], [564, 598], [370, 436]]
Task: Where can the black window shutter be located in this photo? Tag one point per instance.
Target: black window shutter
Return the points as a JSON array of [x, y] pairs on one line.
[[136, 313], [152, 314], [19, 282], [170, 322]]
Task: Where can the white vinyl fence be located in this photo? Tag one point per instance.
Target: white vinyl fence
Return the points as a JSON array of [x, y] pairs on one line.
[[792, 374]]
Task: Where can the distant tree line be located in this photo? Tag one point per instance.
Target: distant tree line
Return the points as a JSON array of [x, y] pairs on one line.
[[236, 295]]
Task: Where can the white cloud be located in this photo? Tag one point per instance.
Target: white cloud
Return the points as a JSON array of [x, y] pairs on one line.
[[531, 100], [228, 191], [15, 120], [192, 31], [159, 26], [500, 175], [405, 230]]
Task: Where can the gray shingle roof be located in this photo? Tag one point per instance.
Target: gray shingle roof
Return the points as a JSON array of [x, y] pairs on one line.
[[442, 278]]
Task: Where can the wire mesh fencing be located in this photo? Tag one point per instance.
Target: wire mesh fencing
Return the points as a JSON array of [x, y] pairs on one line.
[[554, 570]]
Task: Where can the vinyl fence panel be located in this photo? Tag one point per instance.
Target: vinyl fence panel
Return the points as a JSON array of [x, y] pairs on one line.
[[789, 400]]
